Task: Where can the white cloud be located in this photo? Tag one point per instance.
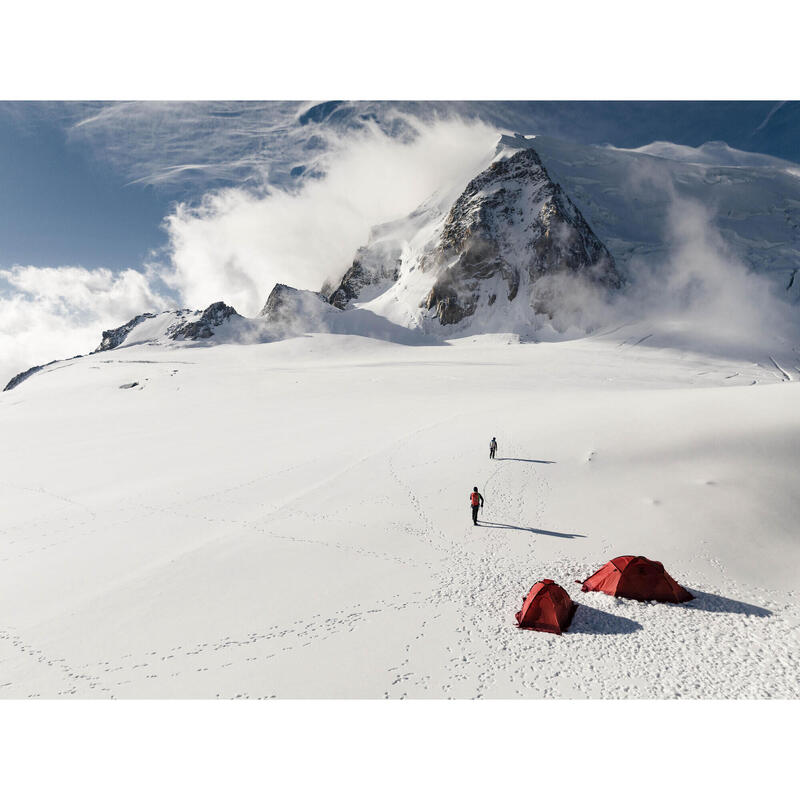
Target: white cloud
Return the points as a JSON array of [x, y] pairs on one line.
[[237, 244], [700, 282], [48, 313]]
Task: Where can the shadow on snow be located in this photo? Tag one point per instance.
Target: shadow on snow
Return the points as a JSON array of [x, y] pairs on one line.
[[705, 601], [526, 460], [593, 620], [488, 524]]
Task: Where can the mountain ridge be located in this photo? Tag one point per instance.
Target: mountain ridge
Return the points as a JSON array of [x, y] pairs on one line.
[[488, 257]]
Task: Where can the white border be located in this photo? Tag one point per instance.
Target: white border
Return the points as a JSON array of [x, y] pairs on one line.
[[396, 749], [417, 49]]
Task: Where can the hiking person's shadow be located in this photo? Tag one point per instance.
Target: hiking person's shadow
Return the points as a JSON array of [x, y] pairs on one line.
[[526, 460], [542, 531]]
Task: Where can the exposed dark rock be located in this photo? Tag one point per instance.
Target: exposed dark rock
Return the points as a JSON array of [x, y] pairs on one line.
[[294, 308], [17, 379], [508, 231], [512, 219], [129, 385], [448, 308], [115, 337], [363, 272], [203, 328]]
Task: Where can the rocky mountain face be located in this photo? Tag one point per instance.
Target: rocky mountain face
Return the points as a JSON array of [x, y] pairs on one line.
[[512, 222], [21, 376], [116, 336], [286, 304], [359, 276], [376, 263], [508, 235], [181, 325], [203, 327]]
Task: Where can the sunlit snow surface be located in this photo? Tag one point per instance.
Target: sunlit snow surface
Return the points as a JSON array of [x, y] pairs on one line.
[[291, 519]]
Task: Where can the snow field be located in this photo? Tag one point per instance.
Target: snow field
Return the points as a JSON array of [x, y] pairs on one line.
[[291, 520]]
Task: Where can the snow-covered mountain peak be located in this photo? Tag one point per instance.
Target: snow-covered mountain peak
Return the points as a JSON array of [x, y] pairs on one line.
[[490, 260]]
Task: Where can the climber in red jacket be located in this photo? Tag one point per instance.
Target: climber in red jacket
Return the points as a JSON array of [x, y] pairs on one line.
[[476, 502]]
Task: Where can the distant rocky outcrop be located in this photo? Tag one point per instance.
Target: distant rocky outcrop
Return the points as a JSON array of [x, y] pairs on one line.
[[17, 379], [369, 267], [116, 336], [181, 324], [377, 264], [203, 328], [289, 306]]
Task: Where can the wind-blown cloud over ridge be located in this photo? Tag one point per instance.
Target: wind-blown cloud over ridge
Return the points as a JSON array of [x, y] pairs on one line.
[[238, 243]]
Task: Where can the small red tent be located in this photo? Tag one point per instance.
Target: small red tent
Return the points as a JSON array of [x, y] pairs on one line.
[[636, 577], [546, 607]]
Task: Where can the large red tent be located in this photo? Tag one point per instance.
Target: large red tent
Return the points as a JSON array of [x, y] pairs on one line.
[[546, 607], [638, 578]]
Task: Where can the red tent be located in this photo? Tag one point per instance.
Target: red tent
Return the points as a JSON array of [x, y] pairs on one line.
[[547, 607], [636, 577]]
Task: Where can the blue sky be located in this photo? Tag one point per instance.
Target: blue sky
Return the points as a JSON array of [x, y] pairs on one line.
[[59, 205]]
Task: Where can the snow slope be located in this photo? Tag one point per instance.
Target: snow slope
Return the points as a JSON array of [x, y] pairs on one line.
[[290, 519], [627, 195]]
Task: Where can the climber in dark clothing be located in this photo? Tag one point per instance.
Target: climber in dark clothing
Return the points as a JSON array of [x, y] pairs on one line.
[[492, 447], [476, 501]]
